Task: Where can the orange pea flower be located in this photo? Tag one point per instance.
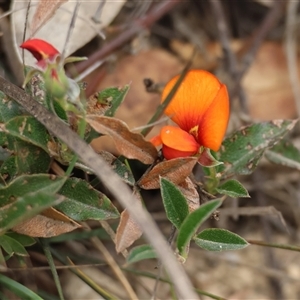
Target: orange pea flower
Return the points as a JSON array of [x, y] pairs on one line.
[[200, 108]]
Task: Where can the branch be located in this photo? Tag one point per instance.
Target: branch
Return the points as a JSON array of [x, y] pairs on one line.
[[111, 180]]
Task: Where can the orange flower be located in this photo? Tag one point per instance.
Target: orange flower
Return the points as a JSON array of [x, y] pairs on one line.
[[200, 108]]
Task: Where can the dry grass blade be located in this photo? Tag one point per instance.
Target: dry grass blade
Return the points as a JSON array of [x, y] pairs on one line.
[[114, 266], [43, 13]]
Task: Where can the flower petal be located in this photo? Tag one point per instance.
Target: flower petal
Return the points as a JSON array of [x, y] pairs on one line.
[[214, 122], [192, 99], [170, 153], [156, 140], [40, 49], [176, 138]]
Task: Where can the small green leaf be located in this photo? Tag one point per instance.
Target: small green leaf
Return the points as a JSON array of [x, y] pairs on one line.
[[26, 184], [24, 240], [242, 151], [11, 246], [28, 129], [83, 202], [18, 289], [215, 239], [115, 96], [9, 108], [25, 208], [284, 153], [174, 202], [140, 253], [26, 159], [123, 171], [233, 188], [192, 223]]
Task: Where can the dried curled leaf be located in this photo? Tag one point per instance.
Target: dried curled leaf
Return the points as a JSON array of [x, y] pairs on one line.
[[128, 230], [175, 170], [189, 191], [47, 224], [129, 144]]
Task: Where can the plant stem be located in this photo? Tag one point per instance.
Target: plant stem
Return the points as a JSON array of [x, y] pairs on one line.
[[271, 245]]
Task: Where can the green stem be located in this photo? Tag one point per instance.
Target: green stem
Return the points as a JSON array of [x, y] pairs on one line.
[[213, 181], [280, 246], [50, 260]]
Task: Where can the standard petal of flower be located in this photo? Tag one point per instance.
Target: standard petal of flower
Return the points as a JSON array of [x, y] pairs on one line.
[[194, 96], [176, 138], [214, 122], [40, 49]]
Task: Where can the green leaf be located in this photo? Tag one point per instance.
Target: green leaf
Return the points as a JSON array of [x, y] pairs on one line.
[[284, 153], [233, 188], [9, 108], [26, 159], [28, 129], [139, 253], [242, 151], [215, 239], [192, 223], [174, 202], [123, 171], [11, 246], [114, 97], [26, 184], [18, 289], [24, 240], [8, 169], [25, 208], [82, 202]]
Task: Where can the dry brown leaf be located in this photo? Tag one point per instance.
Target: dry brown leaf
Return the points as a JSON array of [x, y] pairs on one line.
[[131, 145], [175, 170], [43, 13], [128, 230], [47, 224], [190, 193]]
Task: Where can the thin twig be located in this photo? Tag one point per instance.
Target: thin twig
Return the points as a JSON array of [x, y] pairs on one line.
[[112, 182], [291, 49], [69, 33]]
